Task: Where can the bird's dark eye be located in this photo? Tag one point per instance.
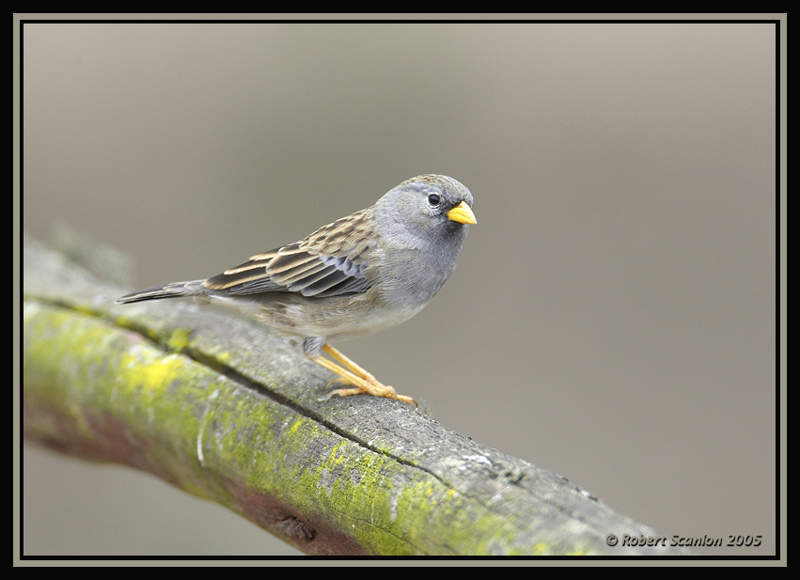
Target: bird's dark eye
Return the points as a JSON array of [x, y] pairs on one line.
[[434, 199]]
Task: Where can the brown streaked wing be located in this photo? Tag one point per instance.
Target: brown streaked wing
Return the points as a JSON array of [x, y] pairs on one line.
[[247, 278], [328, 262]]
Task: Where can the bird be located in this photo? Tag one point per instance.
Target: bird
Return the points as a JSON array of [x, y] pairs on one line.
[[361, 274]]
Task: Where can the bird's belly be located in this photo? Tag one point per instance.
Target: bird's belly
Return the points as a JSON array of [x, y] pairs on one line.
[[334, 319]]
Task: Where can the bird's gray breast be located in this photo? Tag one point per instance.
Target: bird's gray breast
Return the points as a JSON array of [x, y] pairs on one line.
[[414, 273]]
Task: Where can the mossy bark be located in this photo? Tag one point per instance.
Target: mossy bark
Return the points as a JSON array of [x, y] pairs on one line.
[[221, 408]]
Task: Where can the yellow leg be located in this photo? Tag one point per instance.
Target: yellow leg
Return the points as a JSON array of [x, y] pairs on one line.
[[363, 381]]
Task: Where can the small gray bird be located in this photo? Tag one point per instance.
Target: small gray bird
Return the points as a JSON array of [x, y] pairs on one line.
[[361, 274]]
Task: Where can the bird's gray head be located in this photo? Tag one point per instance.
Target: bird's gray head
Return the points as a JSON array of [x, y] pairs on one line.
[[431, 207], [423, 223]]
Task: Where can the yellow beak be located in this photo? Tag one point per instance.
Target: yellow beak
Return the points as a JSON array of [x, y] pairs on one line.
[[462, 214]]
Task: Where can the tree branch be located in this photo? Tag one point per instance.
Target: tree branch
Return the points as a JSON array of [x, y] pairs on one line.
[[223, 409]]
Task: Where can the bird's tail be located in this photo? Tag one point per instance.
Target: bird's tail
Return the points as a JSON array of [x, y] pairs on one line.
[[174, 290]]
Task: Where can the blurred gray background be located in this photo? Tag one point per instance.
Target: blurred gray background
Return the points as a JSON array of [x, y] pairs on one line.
[[612, 316]]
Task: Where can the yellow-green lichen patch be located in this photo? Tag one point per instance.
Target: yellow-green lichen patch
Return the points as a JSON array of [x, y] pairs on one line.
[[179, 339], [152, 373], [295, 426], [428, 504], [540, 549], [224, 357]]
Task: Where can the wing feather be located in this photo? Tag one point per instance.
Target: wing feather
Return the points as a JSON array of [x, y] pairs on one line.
[[330, 262]]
